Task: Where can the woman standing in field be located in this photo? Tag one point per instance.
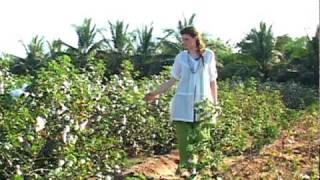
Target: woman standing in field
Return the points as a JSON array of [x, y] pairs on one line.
[[195, 70]]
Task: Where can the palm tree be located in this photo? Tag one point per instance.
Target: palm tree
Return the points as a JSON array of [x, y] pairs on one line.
[[87, 47], [36, 57], [147, 55], [313, 56], [55, 49], [221, 48], [145, 45], [260, 45], [300, 59], [186, 22], [118, 47], [120, 38], [171, 43]]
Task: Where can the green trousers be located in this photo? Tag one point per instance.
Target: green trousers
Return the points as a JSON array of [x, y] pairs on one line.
[[182, 131]]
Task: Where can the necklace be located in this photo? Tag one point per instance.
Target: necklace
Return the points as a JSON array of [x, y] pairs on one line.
[[191, 66]]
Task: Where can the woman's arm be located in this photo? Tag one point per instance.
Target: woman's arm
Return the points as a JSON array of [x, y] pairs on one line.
[[165, 86], [162, 89], [214, 91]]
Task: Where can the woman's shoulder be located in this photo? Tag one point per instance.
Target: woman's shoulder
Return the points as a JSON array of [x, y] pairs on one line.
[[209, 51], [210, 55], [181, 54]]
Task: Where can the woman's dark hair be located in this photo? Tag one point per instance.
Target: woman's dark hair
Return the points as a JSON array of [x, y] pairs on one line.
[[193, 32]]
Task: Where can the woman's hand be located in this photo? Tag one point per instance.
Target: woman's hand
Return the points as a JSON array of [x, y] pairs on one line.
[[149, 97], [162, 89]]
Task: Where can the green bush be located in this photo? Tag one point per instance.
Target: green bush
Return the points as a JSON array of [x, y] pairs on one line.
[[57, 128], [71, 123], [249, 119], [294, 95], [140, 127]]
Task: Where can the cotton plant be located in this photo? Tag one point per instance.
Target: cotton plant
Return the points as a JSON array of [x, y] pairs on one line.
[[202, 157], [133, 120], [45, 124], [5, 76]]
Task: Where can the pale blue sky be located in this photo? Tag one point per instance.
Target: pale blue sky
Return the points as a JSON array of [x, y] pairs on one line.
[[227, 19]]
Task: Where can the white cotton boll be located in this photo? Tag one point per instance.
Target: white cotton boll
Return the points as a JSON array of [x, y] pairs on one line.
[[76, 126], [104, 87], [98, 97], [103, 108], [194, 171], [72, 139], [89, 87], [1, 88], [99, 175], [108, 177], [153, 136], [124, 120], [61, 162], [65, 133], [135, 89], [33, 103], [134, 144], [67, 117], [20, 139], [68, 96], [64, 137], [305, 176], [18, 170], [118, 171], [26, 94], [70, 163], [40, 95], [67, 128], [82, 161], [63, 108], [99, 118], [117, 168], [83, 125], [120, 82], [7, 146], [66, 84], [40, 123]]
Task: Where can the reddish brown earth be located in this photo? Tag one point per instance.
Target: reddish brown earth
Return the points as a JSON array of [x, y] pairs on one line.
[[295, 155]]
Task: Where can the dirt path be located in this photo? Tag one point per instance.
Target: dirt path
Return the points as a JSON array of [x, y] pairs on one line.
[[157, 167], [293, 156]]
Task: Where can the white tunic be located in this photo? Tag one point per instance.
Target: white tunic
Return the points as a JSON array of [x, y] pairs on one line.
[[194, 62], [191, 88]]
